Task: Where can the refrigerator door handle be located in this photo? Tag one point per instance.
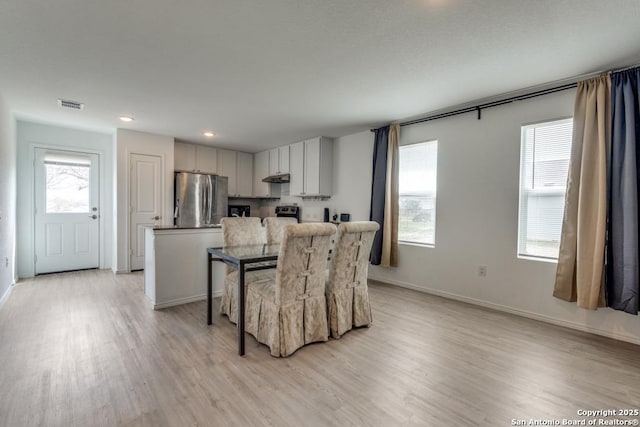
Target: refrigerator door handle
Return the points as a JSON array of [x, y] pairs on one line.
[[203, 195], [209, 206]]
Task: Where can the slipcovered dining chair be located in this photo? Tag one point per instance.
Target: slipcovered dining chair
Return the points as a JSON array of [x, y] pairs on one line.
[[290, 311], [275, 227], [238, 231], [347, 290]]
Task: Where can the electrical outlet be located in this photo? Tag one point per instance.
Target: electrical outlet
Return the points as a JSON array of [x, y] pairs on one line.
[[482, 270], [6, 261]]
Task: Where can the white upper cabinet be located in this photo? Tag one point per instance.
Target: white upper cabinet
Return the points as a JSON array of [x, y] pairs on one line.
[[311, 167], [279, 160], [296, 185], [283, 156], [184, 157], [206, 159], [227, 166], [235, 165], [194, 158], [238, 168], [244, 174], [261, 170]]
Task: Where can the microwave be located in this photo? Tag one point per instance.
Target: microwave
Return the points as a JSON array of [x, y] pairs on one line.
[[239, 210]]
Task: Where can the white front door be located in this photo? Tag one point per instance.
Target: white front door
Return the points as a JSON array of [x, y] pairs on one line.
[[145, 202], [67, 213]]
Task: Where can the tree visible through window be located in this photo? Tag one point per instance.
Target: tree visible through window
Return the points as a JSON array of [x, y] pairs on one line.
[[417, 193], [67, 187], [544, 163]]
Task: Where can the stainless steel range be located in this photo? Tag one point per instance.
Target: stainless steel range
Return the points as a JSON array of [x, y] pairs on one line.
[[290, 211]]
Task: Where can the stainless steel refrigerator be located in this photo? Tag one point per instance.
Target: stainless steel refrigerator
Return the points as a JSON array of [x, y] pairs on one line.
[[201, 200]]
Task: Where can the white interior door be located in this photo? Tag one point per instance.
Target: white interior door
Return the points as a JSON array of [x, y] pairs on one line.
[[67, 211], [145, 202]]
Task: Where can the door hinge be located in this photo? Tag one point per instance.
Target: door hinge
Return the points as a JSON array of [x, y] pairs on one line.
[[35, 258]]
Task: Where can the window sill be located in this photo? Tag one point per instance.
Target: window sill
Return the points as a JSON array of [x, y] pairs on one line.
[[534, 258], [421, 245]]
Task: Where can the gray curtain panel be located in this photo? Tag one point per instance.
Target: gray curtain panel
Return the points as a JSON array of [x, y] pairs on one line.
[[378, 188], [622, 278], [389, 230]]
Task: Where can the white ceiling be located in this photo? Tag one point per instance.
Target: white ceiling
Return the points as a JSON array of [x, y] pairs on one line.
[[267, 73]]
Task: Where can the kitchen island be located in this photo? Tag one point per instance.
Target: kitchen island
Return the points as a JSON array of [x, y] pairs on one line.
[[175, 270]]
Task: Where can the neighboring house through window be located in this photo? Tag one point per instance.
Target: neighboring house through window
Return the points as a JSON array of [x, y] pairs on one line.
[[544, 163], [417, 193]]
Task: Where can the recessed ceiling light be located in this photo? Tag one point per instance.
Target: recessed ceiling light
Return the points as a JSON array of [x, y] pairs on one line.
[[209, 134], [126, 118]]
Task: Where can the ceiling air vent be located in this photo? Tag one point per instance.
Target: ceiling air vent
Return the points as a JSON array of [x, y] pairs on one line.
[[65, 103]]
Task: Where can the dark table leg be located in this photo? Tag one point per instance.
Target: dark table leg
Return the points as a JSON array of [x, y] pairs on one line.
[[241, 309], [209, 289]]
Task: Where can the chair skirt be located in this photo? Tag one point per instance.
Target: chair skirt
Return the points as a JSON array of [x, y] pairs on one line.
[[285, 328], [229, 301], [348, 308]]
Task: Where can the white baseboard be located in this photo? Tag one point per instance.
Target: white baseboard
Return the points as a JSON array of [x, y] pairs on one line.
[[180, 301], [5, 297], [498, 307]]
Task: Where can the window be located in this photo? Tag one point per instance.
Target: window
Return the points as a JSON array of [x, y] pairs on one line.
[[544, 163], [67, 183], [417, 193]]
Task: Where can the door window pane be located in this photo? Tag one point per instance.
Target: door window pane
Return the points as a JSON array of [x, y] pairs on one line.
[[67, 187]]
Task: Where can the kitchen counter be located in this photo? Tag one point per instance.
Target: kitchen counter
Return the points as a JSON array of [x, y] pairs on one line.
[[175, 270], [175, 227]]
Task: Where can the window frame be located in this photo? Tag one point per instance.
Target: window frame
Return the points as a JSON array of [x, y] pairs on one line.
[[524, 194], [434, 192]]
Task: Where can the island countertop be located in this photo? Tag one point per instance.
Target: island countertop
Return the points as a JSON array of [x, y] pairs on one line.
[[175, 227]]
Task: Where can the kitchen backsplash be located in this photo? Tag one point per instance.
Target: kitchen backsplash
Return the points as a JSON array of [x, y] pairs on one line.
[[311, 210]]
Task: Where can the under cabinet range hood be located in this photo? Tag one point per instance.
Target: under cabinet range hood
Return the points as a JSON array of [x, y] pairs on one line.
[[277, 179]]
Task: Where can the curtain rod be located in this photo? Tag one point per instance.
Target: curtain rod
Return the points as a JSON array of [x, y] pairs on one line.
[[479, 107]]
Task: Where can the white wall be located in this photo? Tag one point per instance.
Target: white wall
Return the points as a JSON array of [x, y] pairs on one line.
[[133, 142], [352, 169], [477, 217], [29, 137], [7, 200]]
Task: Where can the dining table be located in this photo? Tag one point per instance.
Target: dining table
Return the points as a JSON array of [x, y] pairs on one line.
[[244, 258]]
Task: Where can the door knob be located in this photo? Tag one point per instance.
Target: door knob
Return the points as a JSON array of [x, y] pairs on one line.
[[155, 218], [93, 216]]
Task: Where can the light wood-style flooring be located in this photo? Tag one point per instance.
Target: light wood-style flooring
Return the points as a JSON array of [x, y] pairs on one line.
[[85, 349]]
